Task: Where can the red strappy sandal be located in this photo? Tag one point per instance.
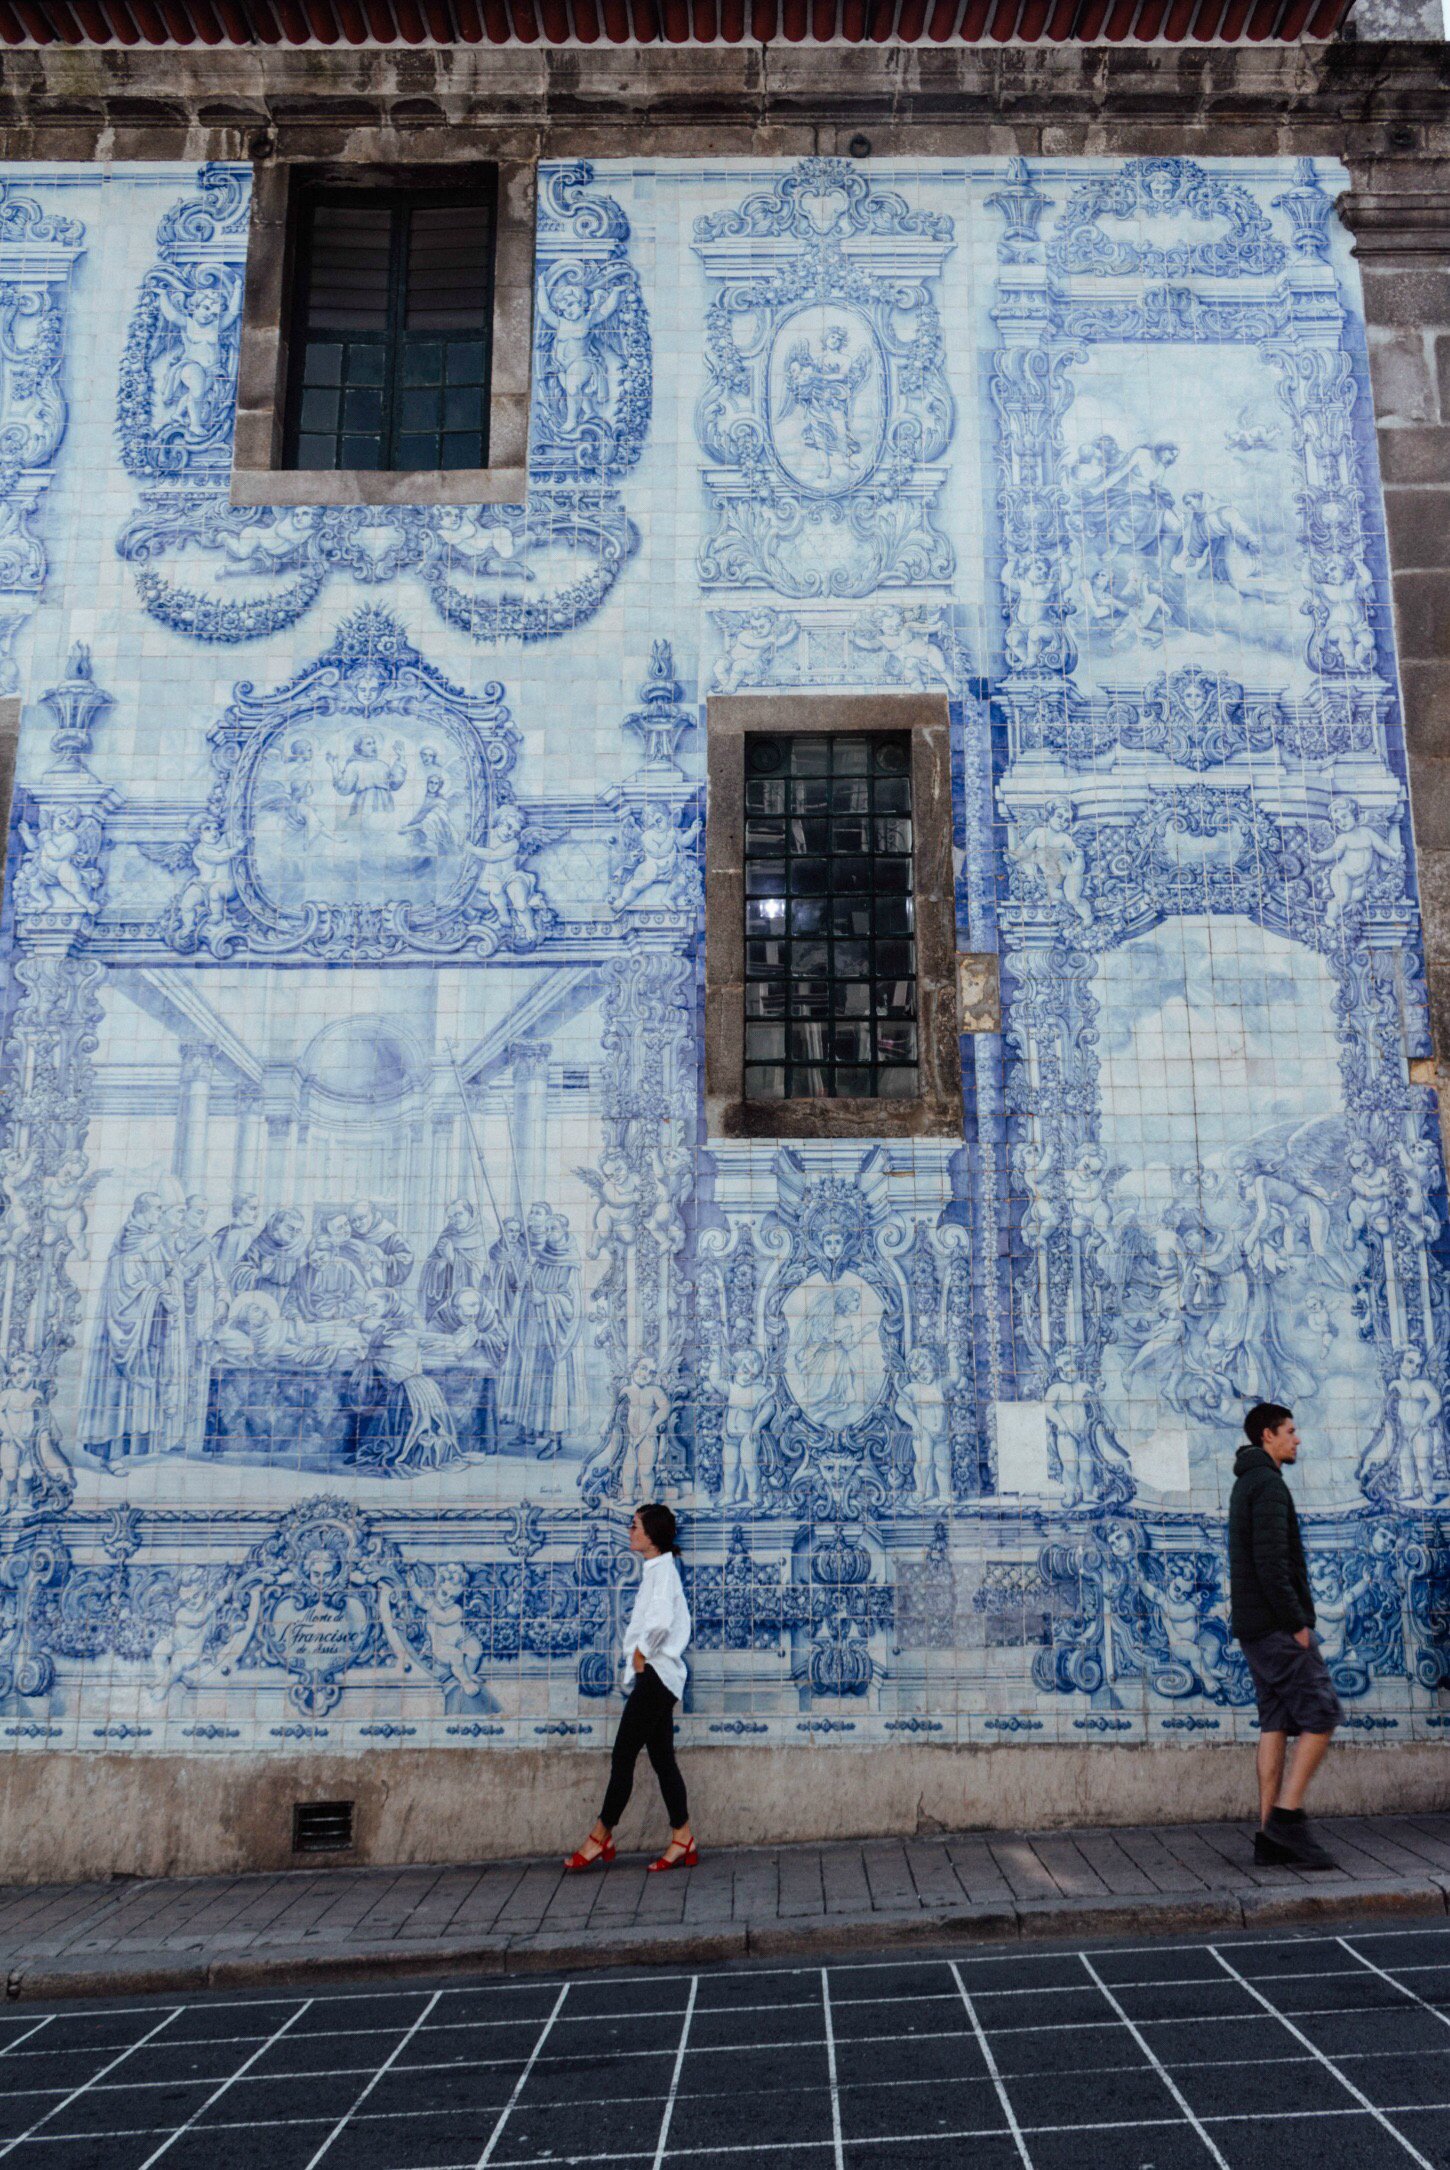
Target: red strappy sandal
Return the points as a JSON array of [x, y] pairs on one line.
[[689, 1859], [579, 1861]]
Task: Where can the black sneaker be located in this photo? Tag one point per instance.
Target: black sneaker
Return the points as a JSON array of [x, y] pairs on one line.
[[1289, 1831], [1268, 1853]]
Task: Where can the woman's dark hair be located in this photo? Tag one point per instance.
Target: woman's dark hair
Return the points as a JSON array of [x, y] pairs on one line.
[[658, 1524]]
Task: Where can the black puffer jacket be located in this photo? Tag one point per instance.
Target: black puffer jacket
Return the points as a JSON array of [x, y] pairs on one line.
[[1268, 1580]]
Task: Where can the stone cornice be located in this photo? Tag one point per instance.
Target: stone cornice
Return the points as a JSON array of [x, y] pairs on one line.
[[1370, 99]]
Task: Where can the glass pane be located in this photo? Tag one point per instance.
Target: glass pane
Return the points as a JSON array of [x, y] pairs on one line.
[[366, 364], [821, 884], [418, 410], [362, 408], [464, 363], [417, 453], [319, 410], [463, 449], [322, 364], [464, 410]]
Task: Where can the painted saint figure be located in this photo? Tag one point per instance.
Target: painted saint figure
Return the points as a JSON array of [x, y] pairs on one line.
[[458, 1260], [539, 1390], [135, 1391], [271, 1260], [365, 779]]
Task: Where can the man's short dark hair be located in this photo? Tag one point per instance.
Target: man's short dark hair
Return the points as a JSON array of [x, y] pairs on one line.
[[1265, 1416]]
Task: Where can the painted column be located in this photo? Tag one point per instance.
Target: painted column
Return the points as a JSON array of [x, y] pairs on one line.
[[247, 1151], [193, 1113], [529, 1062]]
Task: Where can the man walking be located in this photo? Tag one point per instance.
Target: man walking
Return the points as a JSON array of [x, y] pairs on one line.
[[1272, 1614]]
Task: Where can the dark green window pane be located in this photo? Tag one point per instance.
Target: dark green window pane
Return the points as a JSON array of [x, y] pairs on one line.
[[423, 364], [362, 409], [464, 410], [394, 302], [464, 362], [418, 410], [322, 364], [367, 365], [820, 884], [319, 410]]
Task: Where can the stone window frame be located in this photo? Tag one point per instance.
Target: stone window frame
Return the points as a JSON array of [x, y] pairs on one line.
[[936, 1111], [258, 477]]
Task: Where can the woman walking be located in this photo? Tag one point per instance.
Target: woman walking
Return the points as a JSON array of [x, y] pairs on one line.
[[654, 1678]]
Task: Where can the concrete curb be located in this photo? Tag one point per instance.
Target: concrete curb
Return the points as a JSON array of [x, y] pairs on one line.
[[685, 1945]]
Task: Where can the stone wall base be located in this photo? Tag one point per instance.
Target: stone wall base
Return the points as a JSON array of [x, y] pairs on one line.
[[67, 1818]]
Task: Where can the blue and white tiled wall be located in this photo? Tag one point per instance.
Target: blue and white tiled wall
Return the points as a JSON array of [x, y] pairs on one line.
[[363, 1256]]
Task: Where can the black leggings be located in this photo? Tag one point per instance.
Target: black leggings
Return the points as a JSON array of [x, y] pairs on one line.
[[648, 1723]]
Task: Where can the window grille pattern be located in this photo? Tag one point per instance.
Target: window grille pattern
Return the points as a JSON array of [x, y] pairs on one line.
[[830, 953], [391, 337]]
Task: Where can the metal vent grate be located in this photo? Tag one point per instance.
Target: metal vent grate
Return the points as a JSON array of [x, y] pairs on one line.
[[321, 1827]]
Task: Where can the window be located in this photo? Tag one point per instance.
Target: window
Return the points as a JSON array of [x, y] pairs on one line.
[[830, 917], [391, 329], [830, 955]]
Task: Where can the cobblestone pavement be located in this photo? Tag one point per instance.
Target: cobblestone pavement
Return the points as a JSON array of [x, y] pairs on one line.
[[191, 1933], [1285, 2050]]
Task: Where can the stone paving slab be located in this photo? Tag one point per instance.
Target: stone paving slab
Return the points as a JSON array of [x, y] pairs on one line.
[[135, 1938]]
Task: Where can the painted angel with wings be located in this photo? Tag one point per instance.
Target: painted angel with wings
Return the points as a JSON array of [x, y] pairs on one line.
[[573, 365], [60, 872], [823, 386], [197, 917]]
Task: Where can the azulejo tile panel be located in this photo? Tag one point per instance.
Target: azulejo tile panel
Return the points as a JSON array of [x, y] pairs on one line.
[[364, 1256]]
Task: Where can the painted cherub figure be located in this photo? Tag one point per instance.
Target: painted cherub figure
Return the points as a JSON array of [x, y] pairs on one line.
[[201, 908], [616, 1188], [188, 373], [641, 1413], [1350, 856], [507, 887], [662, 849], [179, 1651], [19, 1417], [575, 363], [922, 1407], [57, 874], [1049, 850], [749, 1400], [455, 1650], [1033, 632]]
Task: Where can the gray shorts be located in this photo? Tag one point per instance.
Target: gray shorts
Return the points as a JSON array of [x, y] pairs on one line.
[[1296, 1694]]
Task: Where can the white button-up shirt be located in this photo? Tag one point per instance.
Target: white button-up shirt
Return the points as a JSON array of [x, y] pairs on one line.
[[659, 1625]]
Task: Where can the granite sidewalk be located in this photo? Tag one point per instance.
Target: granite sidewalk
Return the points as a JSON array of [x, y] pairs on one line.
[[134, 1937]]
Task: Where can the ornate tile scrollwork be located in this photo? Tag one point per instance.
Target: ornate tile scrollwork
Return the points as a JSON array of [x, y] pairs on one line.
[[827, 408]]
